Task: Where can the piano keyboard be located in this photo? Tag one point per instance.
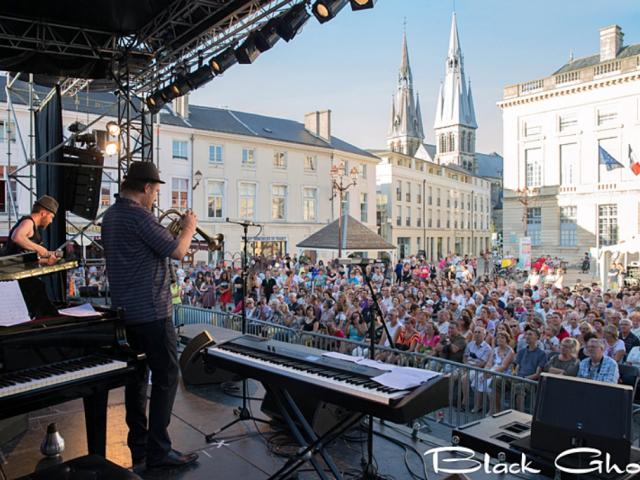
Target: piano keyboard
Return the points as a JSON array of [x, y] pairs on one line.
[[56, 373], [313, 369]]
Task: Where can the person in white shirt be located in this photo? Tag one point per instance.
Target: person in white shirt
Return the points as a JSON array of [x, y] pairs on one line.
[[476, 354]]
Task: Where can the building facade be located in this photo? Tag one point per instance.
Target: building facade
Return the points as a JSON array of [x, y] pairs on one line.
[[557, 191], [431, 199], [274, 172]]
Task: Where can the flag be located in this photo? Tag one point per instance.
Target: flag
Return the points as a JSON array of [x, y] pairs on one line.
[[605, 158], [633, 163]]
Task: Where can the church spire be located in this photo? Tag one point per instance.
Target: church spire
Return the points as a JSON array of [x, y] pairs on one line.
[[406, 132]]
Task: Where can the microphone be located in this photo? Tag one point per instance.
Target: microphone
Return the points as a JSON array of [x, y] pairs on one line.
[[247, 223]]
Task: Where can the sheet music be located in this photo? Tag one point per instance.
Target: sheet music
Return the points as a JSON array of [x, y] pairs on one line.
[[402, 378], [13, 309], [84, 310]]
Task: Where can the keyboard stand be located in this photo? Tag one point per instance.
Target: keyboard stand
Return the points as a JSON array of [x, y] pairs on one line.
[[310, 443]]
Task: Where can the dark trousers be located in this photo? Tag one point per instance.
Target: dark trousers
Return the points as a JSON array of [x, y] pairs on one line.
[[158, 341]]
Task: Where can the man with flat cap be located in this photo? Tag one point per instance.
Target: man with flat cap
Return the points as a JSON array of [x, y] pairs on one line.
[[24, 236], [137, 251]]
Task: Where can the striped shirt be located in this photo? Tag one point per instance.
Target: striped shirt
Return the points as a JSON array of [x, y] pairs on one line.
[[605, 371], [136, 249]]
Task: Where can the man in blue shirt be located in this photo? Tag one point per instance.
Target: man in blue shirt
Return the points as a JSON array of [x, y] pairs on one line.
[[597, 366], [137, 249], [530, 361]]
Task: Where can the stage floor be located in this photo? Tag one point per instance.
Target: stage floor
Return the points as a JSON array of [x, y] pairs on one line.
[[244, 454]]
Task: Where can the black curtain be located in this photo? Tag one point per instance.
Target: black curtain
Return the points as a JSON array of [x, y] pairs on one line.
[[50, 181]]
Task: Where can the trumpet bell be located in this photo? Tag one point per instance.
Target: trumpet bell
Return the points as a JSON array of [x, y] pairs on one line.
[[215, 242]]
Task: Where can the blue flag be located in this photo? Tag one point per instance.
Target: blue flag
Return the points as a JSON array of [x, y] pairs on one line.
[[605, 158]]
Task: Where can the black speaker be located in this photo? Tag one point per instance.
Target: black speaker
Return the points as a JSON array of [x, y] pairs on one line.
[[83, 182], [193, 367]]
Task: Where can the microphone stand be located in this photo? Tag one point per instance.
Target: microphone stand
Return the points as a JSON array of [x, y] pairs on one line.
[[370, 472], [242, 412]]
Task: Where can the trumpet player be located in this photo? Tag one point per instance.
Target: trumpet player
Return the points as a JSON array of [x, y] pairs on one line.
[[137, 249]]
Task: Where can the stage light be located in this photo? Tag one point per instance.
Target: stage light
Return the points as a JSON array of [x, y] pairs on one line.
[[76, 127], [180, 86], [111, 148], [113, 128], [291, 22], [167, 94], [267, 36], [325, 10], [199, 77], [362, 4], [155, 102], [222, 62], [248, 51]]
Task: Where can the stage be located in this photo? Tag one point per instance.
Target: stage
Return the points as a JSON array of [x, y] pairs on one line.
[[244, 452]]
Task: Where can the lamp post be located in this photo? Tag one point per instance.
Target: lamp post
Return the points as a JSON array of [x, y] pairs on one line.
[[340, 186], [523, 197]]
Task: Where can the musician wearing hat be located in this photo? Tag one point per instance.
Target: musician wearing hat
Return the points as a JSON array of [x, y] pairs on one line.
[[137, 252], [24, 236]]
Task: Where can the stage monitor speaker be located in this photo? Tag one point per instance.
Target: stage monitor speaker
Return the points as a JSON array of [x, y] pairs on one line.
[[83, 182], [576, 412], [195, 371]]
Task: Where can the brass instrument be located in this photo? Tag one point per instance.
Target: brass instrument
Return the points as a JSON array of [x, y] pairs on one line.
[[213, 243]]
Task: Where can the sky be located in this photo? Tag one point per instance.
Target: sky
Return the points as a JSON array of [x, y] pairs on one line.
[[350, 64]]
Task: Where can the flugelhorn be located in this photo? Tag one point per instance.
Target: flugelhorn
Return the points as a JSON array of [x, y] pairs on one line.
[[215, 242]]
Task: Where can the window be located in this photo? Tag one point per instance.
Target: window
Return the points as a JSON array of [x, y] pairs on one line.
[[419, 218], [215, 154], [399, 217], [408, 192], [568, 235], [430, 219], [5, 201], [278, 202], [310, 163], [215, 194], [399, 190], [530, 129], [470, 142], [607, 225], [438, 220], [441, 143], [419, 194], [310, 202], [247, 200], [534, 224], [279, 159], [248, 157], [362, 170], [180, 149], [533, 167], [463, 141], [7, 130], [607, 116], [105, 194], [179, 193], [430, 197], [448, 198], [437, 197], [364, 207], [569, 164], [568, 122], [408, 219]]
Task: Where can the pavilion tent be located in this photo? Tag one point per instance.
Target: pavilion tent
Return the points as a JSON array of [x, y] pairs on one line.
[[621, 252]]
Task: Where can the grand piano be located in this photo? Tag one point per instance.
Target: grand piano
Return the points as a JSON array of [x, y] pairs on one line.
[[56, 358]]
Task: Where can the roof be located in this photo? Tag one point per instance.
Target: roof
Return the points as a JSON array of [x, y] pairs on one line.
[[489, 165], [358, 237], [201, 118], [578, 63]]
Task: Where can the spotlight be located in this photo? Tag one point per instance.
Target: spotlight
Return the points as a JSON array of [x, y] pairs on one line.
[[248, 51], [113, 128], [292, 21], [222, 62], [76, 127], [155, 102], [362, 4], [111, 148], [180, 86], [167, 94], [199, 77], [267, 36], [325, 10]]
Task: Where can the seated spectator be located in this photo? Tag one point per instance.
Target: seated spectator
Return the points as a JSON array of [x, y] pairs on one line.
[[550, 342], [566, 362], [597, 366], [630, 340], [614, 347], [427, 340], [452, 345], [500, 361], [530, 360]]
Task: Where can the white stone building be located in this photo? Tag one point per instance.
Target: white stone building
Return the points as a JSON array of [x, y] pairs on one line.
[[272, 171], [430, 197], [553, 128]]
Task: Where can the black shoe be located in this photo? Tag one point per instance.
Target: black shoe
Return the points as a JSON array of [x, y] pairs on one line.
[[139, 465], [174, 459]]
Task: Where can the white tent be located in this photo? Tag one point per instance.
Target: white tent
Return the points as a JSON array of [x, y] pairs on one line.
[[622, 252]]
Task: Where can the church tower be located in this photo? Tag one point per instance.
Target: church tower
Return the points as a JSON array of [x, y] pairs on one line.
[[405, 133], [455, 123]]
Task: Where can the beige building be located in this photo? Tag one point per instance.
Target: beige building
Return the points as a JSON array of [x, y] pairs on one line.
[[556, 188]]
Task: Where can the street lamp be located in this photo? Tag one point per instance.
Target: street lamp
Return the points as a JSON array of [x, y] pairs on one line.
[[523, 197], [197, 178], [340, 186]]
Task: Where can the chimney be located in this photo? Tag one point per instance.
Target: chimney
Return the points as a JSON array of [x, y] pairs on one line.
[[181, 106], [610, 42], [319, 124]]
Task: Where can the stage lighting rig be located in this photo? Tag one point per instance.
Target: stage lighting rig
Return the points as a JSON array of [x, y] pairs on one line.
[[267, 36], [362, 4], [248, 52], [199, 77], [291, 22], [113, 129], [325, 10], [180, 86], [155, 102], [222, 62]]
